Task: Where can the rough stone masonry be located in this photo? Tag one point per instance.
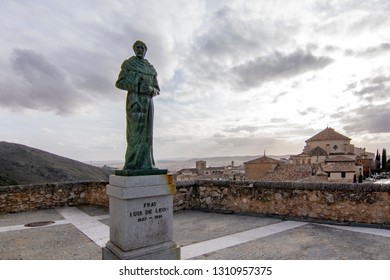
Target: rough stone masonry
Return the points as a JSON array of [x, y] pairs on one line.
[[347, 203]]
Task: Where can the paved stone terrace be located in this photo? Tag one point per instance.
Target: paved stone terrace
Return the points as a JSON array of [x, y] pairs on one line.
[[80, 232]]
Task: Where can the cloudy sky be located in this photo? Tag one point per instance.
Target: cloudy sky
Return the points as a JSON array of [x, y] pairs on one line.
[[236, 77]]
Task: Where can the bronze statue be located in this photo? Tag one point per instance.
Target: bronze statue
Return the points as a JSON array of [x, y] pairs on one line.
[[139, 78]]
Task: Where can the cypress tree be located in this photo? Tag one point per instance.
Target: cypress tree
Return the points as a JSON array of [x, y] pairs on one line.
[[384, 159], [377, 161]]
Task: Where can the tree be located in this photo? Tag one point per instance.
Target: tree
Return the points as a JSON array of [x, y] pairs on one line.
[[377, 161], [384, 159]]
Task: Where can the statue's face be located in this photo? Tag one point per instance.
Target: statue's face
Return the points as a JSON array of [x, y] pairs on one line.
[[140, 50]]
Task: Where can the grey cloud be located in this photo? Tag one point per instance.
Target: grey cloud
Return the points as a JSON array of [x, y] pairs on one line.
[[40, 84], [307, 111], [377, 18], [278, 66], [227, 38], [278, 120], [349, 52], [62, 83], [378, 50], [240, 145], [226, 34], [246, 128], [218, 135], [90, 71], [330, 48], [370, 52], [351, 86], [278, 96], [372, 88], [372, 119], [258, 143], [33, 66], [75, 56], [240, 53]]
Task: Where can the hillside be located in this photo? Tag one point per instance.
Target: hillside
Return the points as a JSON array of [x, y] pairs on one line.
[[21, 164]]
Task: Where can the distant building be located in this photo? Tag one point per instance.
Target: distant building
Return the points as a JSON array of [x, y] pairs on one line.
[[257, 169], [330, 141], [340, 169], [337, 157], [366, 160], [201, 171], [327, 156], [200, 165]]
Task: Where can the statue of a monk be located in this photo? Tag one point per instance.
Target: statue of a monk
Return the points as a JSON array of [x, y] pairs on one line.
[[139, 78]]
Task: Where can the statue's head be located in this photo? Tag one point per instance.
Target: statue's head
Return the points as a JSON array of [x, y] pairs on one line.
[[140, 49]]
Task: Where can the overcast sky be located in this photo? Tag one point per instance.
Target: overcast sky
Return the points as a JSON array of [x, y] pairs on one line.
[[236, 77]]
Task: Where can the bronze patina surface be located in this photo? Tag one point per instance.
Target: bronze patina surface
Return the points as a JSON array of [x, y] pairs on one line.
[[139, 78]]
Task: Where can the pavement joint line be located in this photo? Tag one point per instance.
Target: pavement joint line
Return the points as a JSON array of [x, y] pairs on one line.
[[366, 230], [101, 217], [89, 225], [209, 246]]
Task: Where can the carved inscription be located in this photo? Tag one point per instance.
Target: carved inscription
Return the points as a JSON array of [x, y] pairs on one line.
[[150, 211]]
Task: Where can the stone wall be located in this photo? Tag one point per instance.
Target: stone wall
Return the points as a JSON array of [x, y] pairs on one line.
[[95, 193], [42, 196], [348, 203]]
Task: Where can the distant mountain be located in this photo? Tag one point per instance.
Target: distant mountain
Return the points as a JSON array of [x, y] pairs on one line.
[[20, 164]]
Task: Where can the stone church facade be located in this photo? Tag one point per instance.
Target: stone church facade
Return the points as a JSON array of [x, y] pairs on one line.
[[327, 156]]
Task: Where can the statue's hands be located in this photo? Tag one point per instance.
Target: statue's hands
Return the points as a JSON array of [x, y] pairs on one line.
[[146, 89], [155, 92]]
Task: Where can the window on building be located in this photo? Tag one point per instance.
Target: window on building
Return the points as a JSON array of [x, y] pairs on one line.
[[342, 174]]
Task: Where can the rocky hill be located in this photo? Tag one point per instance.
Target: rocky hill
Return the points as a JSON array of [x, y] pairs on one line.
[[21, 164]]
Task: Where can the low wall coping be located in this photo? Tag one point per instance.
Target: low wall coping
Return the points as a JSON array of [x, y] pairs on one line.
[[324, 186], [22, 188]]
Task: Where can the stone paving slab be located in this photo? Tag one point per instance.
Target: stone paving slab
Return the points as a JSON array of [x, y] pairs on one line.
[[195, 226], [60, 242], [94, 210], [309, 242], [80, 232]]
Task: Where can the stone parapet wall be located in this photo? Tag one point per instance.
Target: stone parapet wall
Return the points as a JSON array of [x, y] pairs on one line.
[[95, 194], [41, 196], [348, 203]]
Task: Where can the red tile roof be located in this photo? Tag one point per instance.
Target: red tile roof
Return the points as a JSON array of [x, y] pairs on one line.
[[339, 167], [263, 159], [328, 134], [339, 159]]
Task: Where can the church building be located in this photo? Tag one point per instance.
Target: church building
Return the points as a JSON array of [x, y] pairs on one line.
[[332, 154], [328, 156]]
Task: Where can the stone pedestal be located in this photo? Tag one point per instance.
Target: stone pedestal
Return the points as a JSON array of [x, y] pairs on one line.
[[141, 218]]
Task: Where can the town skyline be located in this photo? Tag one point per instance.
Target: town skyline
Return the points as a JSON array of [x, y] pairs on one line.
[[236, 78]]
